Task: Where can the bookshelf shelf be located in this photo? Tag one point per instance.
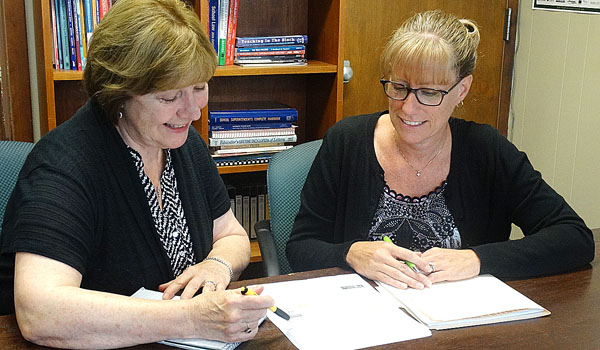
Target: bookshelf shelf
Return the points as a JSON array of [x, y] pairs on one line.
[[62, 74], [242, 168], [312, 67]]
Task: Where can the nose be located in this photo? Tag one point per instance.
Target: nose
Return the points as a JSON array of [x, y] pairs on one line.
[[192, 106], [410, 103]]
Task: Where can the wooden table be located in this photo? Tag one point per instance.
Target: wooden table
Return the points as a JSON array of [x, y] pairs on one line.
[[573, 299]]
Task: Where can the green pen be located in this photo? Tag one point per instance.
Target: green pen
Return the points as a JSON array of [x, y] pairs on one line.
[[408, 263]]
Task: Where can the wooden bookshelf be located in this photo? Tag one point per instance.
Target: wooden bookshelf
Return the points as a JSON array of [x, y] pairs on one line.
[[315, 90]]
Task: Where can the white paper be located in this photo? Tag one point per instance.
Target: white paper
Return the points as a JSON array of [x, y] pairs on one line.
[[481, 296], [339, 312]]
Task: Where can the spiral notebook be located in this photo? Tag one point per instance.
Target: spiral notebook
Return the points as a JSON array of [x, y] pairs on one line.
[[190, 344]]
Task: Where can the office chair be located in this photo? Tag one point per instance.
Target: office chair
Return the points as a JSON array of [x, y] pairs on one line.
[[12, 157], [286, 175]]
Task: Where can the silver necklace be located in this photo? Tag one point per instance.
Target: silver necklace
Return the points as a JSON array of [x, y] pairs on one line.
[[418, 171]]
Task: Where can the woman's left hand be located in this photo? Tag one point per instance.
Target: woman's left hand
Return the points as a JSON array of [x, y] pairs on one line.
[[210, 275], [452, 264]]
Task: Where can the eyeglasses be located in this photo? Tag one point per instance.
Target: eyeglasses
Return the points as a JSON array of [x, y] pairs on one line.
[[425, 96]]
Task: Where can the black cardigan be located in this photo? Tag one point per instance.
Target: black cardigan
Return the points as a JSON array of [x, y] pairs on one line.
[[79, 200], [490, 185]]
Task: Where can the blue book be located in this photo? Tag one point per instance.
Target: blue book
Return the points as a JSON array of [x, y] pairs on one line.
[[270, 48], [213, 23], [248, 126], [89, 20], [251, 112], [70, 23], [271, 40], [65, 62]]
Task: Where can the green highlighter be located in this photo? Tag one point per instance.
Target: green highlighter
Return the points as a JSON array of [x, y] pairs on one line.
[[408, 263]]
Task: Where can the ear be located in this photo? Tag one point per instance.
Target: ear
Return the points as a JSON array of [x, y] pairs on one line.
[[465, 86]]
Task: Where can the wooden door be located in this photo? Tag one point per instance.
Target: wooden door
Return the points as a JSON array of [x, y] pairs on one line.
[[370, 23]]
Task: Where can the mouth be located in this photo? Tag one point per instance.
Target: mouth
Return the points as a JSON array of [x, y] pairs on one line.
[[412, 123], [176, 126]]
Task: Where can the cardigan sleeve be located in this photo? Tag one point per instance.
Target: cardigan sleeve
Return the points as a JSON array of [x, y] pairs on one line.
[[51, 214], [556, 238]]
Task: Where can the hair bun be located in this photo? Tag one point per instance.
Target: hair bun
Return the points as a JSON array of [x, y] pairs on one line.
[[470, 26]]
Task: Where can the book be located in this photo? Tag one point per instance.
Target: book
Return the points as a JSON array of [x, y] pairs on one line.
[[220, 153], [213, 23], [89, 19], [479, 300], [79, 43], [224, 134], [197, 343], [238, 205], [231, 32], [270, 40], [270, 53], [251, 112], [55, 35], [253, 212], [270, 48], [65, 62], [248, 126], [70, 23], [269, 61], [243, 160], [246, 140], [222, 29], [246, 210]]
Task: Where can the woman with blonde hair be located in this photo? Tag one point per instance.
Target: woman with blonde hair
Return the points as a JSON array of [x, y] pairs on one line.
[[125, 195], [444, 190]]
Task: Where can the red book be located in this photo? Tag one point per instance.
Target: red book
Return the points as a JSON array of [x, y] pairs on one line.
[[231, 31]]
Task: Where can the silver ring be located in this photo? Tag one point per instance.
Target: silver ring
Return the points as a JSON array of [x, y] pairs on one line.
[[432, 267], [248, 329], [211, 282]]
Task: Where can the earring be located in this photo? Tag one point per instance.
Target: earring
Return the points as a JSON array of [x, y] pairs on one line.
[[460, 104]]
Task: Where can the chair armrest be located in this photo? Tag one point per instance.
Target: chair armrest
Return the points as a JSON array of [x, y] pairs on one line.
[[270, 262]]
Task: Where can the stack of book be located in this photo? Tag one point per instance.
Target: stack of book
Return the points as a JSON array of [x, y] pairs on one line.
[[73, 22], [250, 204], [270, 50], [250, 132]]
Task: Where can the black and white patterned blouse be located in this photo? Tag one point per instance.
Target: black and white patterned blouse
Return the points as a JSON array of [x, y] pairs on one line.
[[415, 223], [170, 222]]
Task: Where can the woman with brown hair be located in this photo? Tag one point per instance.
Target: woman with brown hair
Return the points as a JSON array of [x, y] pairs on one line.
[[125, 195]]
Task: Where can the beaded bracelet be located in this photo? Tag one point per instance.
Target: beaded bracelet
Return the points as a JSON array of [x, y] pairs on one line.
[[224, 263]]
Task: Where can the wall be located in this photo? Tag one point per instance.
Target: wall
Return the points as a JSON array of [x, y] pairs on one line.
[[555, 109]]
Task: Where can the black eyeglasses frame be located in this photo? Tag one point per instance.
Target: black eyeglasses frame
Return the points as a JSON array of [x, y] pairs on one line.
[[414, 91]]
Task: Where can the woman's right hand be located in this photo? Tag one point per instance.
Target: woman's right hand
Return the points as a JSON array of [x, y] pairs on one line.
[[382, 261], [227, 315]]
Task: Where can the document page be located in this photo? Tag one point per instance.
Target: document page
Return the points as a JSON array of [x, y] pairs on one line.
[[340, 312], [479, 300]]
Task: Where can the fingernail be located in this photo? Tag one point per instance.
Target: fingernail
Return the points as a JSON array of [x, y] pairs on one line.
[[428, 283], [420, 286]]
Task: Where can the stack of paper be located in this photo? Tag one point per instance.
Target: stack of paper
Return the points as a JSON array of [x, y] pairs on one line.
[[480, 300]]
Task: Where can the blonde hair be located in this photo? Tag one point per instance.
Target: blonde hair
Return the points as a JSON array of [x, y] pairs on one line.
[[144, 46], [433, 47]]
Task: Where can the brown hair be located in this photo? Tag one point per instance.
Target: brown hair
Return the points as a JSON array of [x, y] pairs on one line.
[[144, 46], [435, 46]]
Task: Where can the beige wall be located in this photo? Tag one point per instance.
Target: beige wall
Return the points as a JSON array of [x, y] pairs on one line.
[[556, 103]]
